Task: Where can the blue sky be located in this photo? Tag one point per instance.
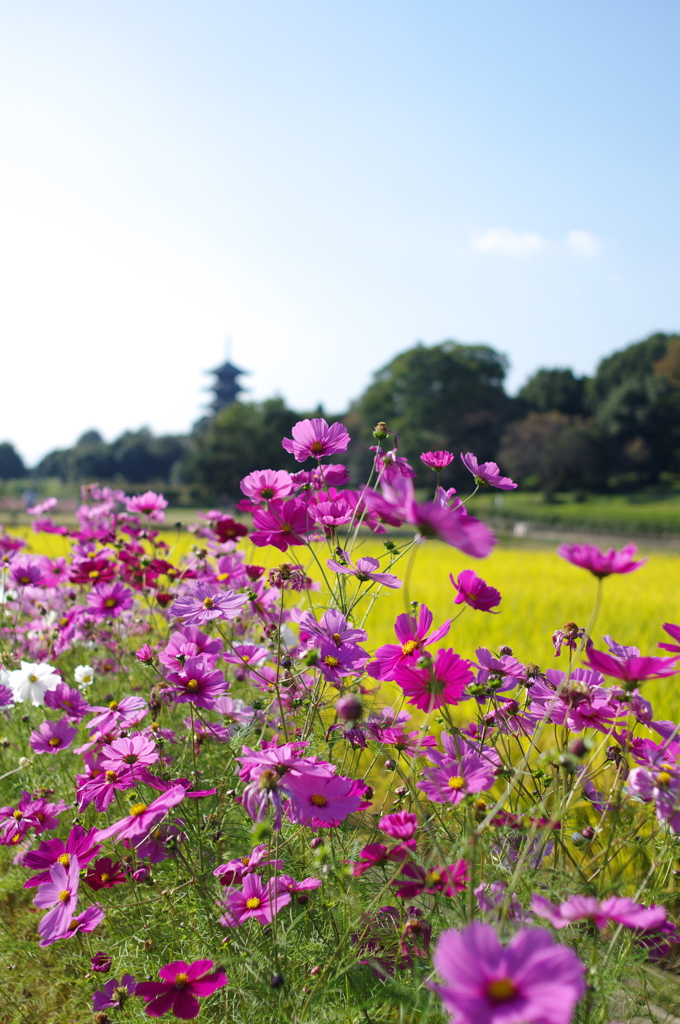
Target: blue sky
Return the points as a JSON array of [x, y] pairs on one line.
[[328, 183]]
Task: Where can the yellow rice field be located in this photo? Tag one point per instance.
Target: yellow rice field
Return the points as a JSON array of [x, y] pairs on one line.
[[540, 593]]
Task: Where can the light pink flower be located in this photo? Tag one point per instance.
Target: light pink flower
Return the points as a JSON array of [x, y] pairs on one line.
[[437, 460], [265, 484], [128, 753], [51, 737], [60, 893], [621, 909], [601, 563], [150, 504], [365, 570], [208, 603], [315, 439]]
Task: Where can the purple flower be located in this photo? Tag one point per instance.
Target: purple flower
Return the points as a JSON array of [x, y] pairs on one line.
[[416, 880], [621, 909], [206, 604], [127, 753], [413, 636], [442, 682], [475, 591], [182, 986], [451, 781], [322, 802], [487, 473], [315, 439], [365, 570], [631, 670], [674, 633], [64, 698], [534, 979], [579, 702], [109, 600], [28, 570], [330, 514], [601, 563], [265, 484], [143, 817], [78, 844], [51, 737], [61, 894], [283, 525], [101, 962], [437, 460], [400, 825], [115, 993], [333, 625], [198, 683], [261, 902]]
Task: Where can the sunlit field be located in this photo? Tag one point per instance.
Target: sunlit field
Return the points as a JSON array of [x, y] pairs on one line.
[[540, 593]]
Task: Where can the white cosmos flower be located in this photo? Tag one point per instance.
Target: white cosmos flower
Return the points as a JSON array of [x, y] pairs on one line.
[[84, 675], [32, 681]]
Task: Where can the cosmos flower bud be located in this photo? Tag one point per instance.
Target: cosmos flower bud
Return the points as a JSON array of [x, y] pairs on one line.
[[349, 708]]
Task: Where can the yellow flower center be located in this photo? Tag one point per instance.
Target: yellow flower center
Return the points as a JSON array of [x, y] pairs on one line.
[[318, 800], [181, 981], [54, 742], [433, 877], [331, 661], [110, 602], [137, 809], [253, 903], [409, 647], [456, 782], [17, 815], [93, 574], [192, 684], [113, 706], [32, 678], [317, 447], [64, 895], [111, 776], [65, 859], [501, 991], [208, 603], [245, 861], [104, 877], [337, 638], [663, 778]]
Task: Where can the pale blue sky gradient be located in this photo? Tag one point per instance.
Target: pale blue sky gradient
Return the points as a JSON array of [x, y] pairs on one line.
[[328, 183]]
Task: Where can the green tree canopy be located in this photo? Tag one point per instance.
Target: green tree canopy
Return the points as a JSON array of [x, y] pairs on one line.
[[11, 463], [555, 390]]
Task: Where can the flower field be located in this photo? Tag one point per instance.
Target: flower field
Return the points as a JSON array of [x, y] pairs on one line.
[[283, 769]]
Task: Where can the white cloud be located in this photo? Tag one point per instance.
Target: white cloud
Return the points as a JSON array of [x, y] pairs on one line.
[[585, 243], [509, 243]]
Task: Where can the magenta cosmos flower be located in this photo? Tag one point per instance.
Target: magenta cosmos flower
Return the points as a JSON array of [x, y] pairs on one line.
[[150, 504], [143, 816], [283, 525], [487, 473], [413, 637], [533, 980], [631, 670], [322, 802], [51, 737], [442, 682], [109, 600], [365, 570], [198, 683], [265, 484], [601, 563], [207, 603], [128, 752], [182, 986], [255, 900], [437, 460], [28, 570], [473, 590], [400, 825], [416, 880], [620, 909], [114, 993], [78, 844], [673, 632], [451, 781], [315, 439]]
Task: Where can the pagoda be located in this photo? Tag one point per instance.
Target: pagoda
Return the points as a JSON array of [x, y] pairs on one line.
[[227, 387]]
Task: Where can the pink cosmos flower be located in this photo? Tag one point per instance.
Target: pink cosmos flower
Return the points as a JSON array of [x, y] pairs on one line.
[[60, 893], [64, 698], [51, 737], [284, 524], [288, 884], [322, 802], [442, 682], [332, 625], [143, 817], [182, 986], [114, 994], [366, 570], [674, 633], [331, 514], [413, 636], [100, 787], [265, 484], [28, 570], [411, 743], [128, 753], [121, 714], [487, 473], [579, 702], [315, 439], [533, 980], [437, 460], [198, 683], [101, 963], [79, 844], [601, 563], [622, 910], [261, 902], [236, 869], [30, 813], [631, 670], [416, 880], [376, 855], [475, 591], [336, 662], [207, 603], [109, 600], [451, 781], [399, 825], [150, 504]]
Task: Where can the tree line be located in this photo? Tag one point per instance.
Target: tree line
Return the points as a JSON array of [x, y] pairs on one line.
[[617, 430]]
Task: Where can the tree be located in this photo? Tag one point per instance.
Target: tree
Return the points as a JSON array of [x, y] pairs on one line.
[[11, 463], [555, 450], [554, 391], [444, 396], [239, 439]]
